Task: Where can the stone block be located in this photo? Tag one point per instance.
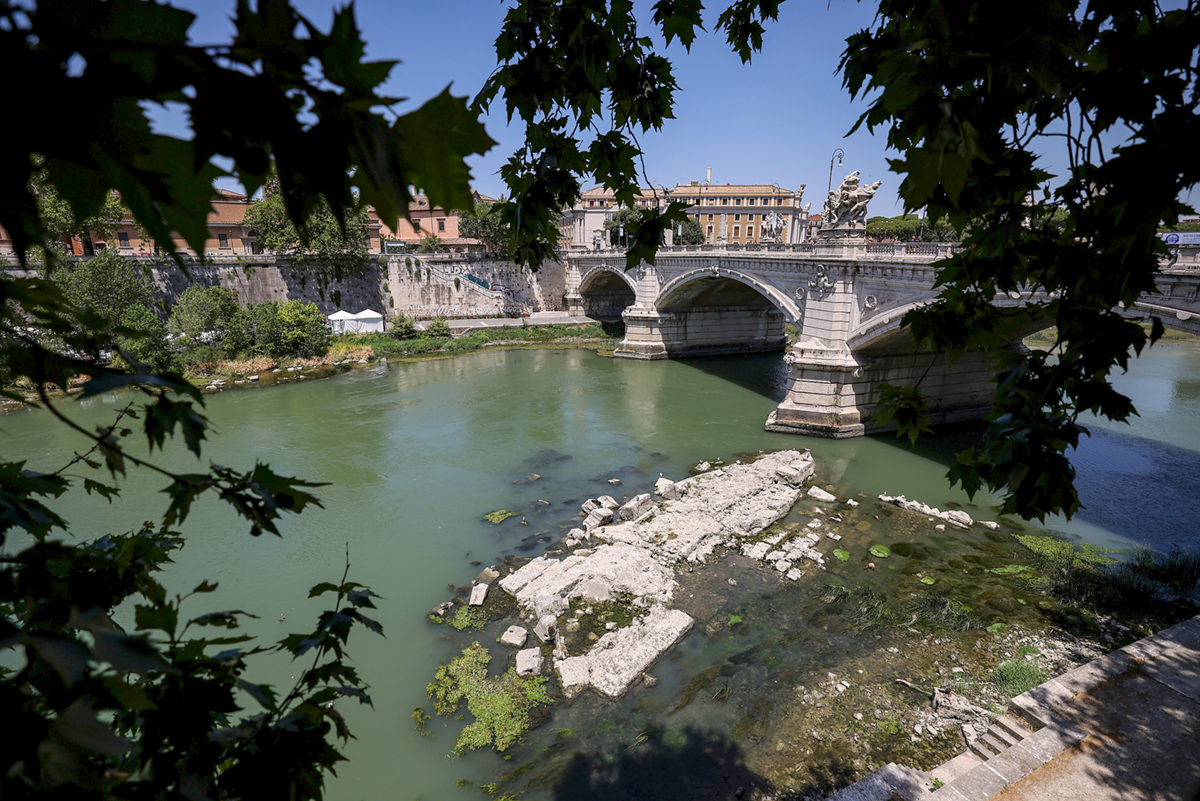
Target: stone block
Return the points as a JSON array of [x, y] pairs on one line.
[[821, 495], [529, 662], [590, 506], [637, 506], [979, 783], [1087, 676], [665, 488], [478, 595], [598, 518], [514, 636], [608, 502]]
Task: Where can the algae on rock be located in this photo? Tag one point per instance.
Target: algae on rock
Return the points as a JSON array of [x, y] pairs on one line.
[[500, 704]]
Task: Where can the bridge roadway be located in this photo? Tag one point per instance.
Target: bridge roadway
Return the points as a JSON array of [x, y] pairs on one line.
[[846, 300]]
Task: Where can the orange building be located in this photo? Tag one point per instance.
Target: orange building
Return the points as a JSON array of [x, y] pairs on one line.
[[428, 220]]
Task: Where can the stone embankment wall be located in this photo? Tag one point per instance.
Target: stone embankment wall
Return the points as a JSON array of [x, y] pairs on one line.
[[391, 285]]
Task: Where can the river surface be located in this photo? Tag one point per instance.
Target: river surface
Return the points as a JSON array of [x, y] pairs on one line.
[[417, 453]]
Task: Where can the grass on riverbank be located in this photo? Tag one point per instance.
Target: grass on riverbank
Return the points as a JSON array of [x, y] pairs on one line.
[[369, 347]]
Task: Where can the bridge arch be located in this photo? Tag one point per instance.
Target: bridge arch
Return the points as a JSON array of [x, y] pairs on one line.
[[710, 287], [709, 311], [606, 291]]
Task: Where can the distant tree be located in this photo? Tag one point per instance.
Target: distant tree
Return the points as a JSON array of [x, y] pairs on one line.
[[624, 219], [106, 284], [693, 233], [430, 243], [203, 309], [147, 343], [322, 239], [438, 327], [403, 327], [485, 223], [293, 328]]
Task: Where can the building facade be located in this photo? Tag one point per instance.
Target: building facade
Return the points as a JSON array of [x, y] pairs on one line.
[[745, 214]]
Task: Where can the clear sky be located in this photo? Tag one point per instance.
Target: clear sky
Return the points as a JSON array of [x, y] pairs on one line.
[[776, 120]]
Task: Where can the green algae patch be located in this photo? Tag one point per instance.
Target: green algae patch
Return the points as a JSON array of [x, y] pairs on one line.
[[468, 618], [1060, 549], [927, 579], [499, 516], [996, 628], [500, 704], [840, 554], [1011, 570], [880, 551]]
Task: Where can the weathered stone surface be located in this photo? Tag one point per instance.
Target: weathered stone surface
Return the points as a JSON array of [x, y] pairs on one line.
[[796, 474], [529, 662], [590, 506], [618, 568], [598, 518], [608, 502], [478, 595], [954, 517], [514, 636], [665, 487], [739, 500], [991, 524], [821, 495], [621, 656], [545, 628], [637, 506]]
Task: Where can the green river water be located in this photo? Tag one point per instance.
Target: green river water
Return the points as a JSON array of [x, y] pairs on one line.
[[417, 453]]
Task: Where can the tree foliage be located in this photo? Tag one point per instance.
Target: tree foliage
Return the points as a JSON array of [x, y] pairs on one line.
[[204, 310], [974, 97], [166, 706], [292, 328], [977, 100], [106, 285], [485, 223], [692, 233], [138, 53], [430, 243], [337, 241]]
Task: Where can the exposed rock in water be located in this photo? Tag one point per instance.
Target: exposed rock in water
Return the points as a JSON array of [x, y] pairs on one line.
[[529, 662], [478, 595], [816, 493], [954, 516], [638, 559], [514, 636], [621, 656]]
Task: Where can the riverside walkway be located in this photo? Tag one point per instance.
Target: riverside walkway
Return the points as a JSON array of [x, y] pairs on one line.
[[1123, 726]]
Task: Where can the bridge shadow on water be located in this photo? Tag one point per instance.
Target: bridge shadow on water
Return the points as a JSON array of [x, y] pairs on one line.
[[1135, 488], [762, 373], [667, 766]]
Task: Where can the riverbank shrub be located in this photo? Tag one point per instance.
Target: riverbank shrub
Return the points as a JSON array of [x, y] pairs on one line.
[[500, 705], [438, 327], [204, 312], [292, 328]]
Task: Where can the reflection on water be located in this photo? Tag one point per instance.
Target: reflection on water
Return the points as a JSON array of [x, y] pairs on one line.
[[417, 453]]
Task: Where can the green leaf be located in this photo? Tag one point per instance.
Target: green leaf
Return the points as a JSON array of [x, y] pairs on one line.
[[880, 551]]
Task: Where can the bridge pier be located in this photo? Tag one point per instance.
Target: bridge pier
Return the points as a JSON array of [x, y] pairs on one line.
[[663, 334], [834, 394]]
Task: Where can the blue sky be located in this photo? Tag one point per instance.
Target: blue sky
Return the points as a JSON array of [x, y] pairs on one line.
[[776, 120]]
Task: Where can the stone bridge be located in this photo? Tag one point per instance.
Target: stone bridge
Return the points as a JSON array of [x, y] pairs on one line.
[[845, 298]]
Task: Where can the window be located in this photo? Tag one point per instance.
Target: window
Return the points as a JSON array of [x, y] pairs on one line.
[[737, 217], [712, 201], [737, 201], [737, 231], [122, 240], [750, 202], [710, 232], [724, 201], [417, 226], [779, 202], [441, 224], [223, 241], [750, 217], [710, 218], [749, 231]]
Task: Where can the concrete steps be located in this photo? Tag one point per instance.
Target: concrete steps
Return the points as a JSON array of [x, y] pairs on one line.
[[888, 783], [1002, 735]]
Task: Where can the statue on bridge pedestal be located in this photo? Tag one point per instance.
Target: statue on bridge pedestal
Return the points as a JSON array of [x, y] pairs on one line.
[[845, 211]]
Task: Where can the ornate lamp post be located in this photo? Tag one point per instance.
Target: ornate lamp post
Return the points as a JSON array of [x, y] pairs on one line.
[[838, 154]]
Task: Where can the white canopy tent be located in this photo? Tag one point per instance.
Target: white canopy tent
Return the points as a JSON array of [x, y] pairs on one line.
[[341, 322], [366, 320]]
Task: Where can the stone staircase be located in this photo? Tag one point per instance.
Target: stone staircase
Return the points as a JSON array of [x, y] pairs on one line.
[[1002, 735]]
